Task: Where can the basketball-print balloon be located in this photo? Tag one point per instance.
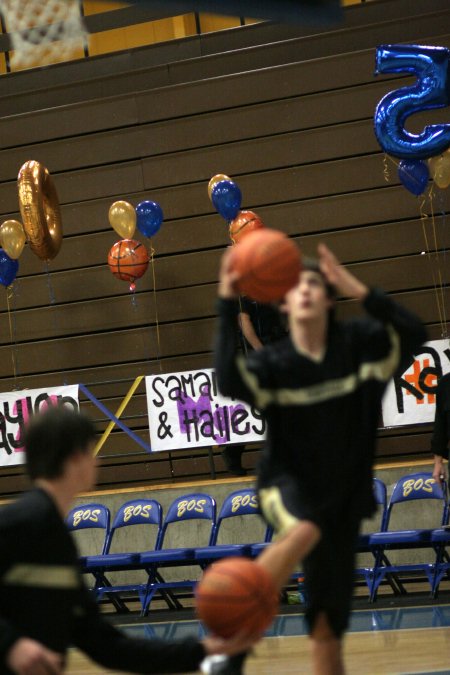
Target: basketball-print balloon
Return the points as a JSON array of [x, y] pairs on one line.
[[128, 260], [244, 223]]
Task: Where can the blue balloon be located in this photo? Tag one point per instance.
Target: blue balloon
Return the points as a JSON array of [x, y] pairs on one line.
[[431, 65], [8, 268], [414, 175], [226, 198], [149, 218]]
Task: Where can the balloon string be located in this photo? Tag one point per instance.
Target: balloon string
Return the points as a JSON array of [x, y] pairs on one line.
[[386, 172], [9, 296], [438, 264], [443, 215], [424, 218], [410, 176], [158, 337], [51, 292]]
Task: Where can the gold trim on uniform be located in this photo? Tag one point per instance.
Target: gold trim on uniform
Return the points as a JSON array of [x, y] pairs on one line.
[[42, 576], [275, 511], [380, 370]]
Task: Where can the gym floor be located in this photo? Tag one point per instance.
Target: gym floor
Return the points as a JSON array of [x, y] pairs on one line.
[[398, 636]]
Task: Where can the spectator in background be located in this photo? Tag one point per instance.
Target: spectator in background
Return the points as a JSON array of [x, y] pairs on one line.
[[441, 430], [259, 325]]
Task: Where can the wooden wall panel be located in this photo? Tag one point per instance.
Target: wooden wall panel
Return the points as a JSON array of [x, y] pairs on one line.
[[289, 116]]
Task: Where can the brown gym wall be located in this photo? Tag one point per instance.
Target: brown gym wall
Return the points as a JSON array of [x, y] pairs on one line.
[[289, 116]]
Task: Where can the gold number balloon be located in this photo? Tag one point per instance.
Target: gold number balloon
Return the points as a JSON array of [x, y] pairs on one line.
[[122, 218], [39, 207], [12, 238], [214, 180]]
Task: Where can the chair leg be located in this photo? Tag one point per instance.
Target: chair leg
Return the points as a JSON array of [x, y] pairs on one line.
[[101, 588]]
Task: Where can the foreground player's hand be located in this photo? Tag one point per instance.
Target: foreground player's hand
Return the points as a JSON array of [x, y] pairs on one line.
[[337, 275], [28, 657], [241, 642], [227, 278]]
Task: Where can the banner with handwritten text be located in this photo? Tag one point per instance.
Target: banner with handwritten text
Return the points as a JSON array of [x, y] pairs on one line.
[[186, 410], [16, 407], [411, 397]]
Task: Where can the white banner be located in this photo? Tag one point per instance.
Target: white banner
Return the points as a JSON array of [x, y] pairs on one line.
[[186, 411], [410, 399], [16, 407]]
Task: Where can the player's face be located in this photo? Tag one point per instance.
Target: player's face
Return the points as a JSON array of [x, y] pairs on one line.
[[308, 301]]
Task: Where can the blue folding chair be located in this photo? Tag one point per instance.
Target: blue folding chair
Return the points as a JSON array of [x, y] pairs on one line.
[[88, 517], [407, 489], [190, 507], [147, 512], [364, 542], [245, 503], [440, 539]]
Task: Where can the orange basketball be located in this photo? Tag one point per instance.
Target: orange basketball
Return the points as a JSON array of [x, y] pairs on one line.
[[244, 223], [236, 594], [128, 259], [268, 264]]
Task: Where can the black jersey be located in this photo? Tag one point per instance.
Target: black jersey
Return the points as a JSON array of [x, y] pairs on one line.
[[266, 320], [43, 597], [322, 416], [441, 430]]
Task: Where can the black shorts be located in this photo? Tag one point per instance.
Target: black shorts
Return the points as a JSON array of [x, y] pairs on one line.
[[329, 568]]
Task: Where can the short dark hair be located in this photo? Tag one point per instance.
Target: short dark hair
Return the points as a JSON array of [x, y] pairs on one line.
[[312, 265], [52, 437]]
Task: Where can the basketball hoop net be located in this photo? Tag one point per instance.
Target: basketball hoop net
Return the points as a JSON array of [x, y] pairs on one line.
[[42, 31]]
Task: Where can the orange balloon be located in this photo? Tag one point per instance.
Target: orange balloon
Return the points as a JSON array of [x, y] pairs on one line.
[[244, 223], [214, 180], [128, 259]]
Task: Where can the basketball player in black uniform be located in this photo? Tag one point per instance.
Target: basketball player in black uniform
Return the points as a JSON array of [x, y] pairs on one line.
[[320, 390], [44, 605]]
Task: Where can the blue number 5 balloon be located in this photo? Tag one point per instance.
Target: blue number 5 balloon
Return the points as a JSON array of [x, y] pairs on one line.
[[431, 65]]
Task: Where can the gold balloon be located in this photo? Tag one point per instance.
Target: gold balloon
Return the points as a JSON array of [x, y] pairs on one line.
[[122, 218], [39, 207], [12, 238], [214, 180], [440, 169]]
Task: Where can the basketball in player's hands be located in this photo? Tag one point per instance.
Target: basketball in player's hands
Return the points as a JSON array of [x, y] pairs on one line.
[[236, 595], [267, 264]]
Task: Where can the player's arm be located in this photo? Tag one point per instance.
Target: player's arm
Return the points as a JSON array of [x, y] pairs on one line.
[[248, 331], [18, 653], [113, 649], [408, 331]]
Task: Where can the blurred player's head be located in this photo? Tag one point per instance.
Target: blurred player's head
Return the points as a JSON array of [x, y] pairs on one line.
[[59, 442], [313, 298]]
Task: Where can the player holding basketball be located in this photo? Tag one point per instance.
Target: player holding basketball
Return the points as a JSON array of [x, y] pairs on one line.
[[44, 605], [320, 390]]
